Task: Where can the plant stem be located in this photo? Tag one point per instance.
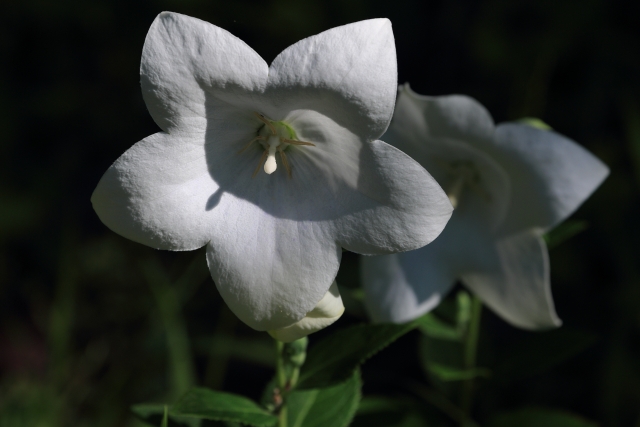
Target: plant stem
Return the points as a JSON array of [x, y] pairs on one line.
[[290, 358], [439, 401], [169, 306], [281, 375], [470, 351], [282, 417], [222, 339]]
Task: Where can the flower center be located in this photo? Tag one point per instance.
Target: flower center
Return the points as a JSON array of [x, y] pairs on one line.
[[274, 137], [464, 174]]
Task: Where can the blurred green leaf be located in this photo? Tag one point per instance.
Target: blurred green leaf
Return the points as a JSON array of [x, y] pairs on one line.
[[169, 306], [440, 352], [458, 313], [387, 412], [255, 349], [334, 359], [540, 417], [331, 406], [564, 232], [433, 327], [20, 214], [534, 122], [153, 414], [219, 406], [541, 351], [451, 373], [443, 345], [27, 404]]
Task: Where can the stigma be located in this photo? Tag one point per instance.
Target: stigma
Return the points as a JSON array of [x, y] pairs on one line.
[[270, 164]]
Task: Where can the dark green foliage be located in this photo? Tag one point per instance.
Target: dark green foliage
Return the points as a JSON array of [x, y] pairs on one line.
[[539, 352], [538, 417], [332, 406], [386, 412], [219, 406], [335, 358], [564, 232]]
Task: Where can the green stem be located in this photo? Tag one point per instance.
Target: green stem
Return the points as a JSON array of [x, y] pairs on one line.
[[282, 417], [470, 351], [295, 374], [222, 340], [281, 375], [62, 314], [439, 401], [169, 306], [290, 358]]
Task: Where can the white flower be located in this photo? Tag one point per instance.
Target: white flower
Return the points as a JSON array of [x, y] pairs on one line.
[[274, 168], [510, 183]]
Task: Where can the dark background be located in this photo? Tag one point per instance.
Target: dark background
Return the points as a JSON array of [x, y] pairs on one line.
[[91, 323]]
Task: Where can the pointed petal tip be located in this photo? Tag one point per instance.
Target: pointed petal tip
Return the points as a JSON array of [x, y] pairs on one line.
[[541, 325]]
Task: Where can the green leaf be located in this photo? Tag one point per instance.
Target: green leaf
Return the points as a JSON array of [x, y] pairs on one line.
[[534, 122], [451, 373], [255, 349], [334, 359], [331, 406], [153, 414], [541, 351], [387, 412], [433, 327], [214, 405], [564, 232], [540, 417]]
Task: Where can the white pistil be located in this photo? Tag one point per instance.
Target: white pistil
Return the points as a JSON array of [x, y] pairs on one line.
[[464, 175], [455, 190], [270, 165]]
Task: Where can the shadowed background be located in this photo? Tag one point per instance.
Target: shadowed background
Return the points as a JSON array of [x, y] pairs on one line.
[[91, 323]]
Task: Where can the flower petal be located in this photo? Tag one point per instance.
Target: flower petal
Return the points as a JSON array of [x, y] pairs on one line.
[[517, 287], [550, 175], [398, 205], [487, 196], [418, 118], [157, 191], [189, 67], [271, 271], [328, 310], [401, 287], [348, 73], [435, 132], [374, 198]]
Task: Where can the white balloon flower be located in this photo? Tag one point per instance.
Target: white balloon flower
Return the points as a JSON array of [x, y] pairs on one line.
[[509, 183], [274, 168]]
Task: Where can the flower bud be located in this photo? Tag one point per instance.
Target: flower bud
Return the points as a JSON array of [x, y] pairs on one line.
[[327, 311]]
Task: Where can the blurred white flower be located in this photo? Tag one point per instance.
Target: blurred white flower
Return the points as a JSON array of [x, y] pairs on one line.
[[274, 168], [509, 183]]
